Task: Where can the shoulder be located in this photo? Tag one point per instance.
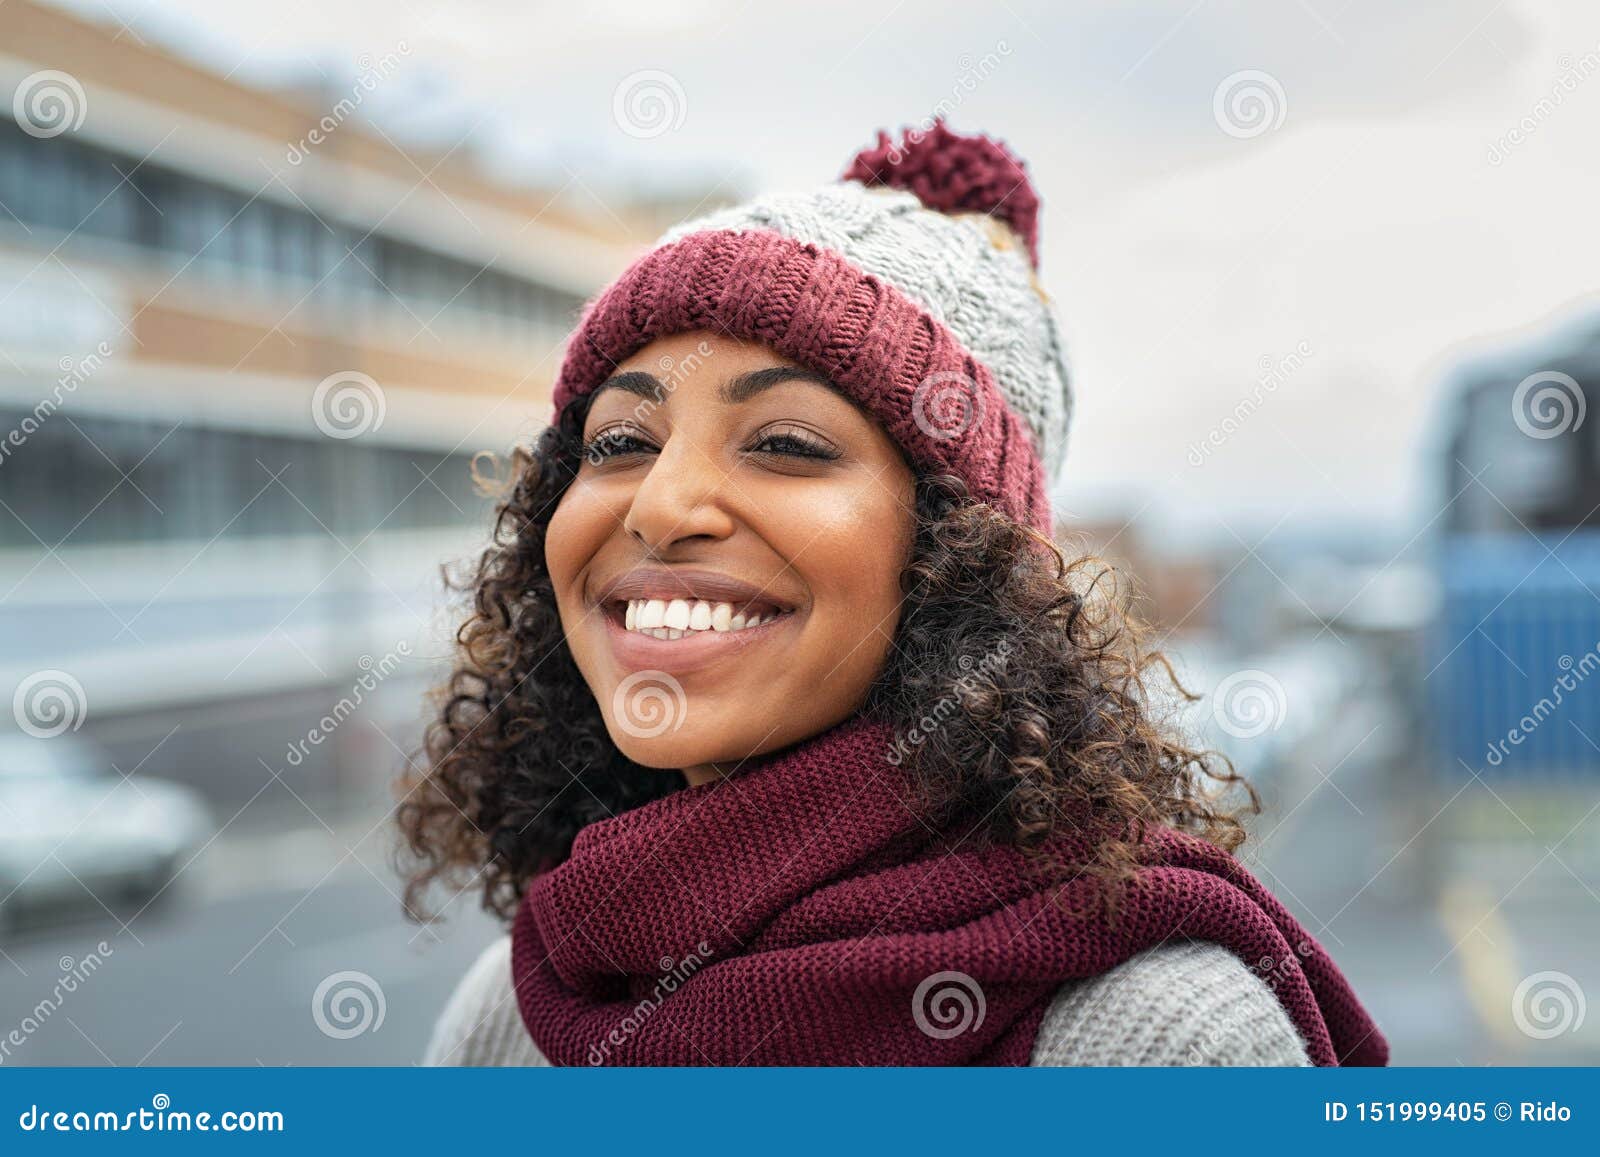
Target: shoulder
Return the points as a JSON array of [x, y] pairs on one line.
[[1179, 1003], [480, 1024]]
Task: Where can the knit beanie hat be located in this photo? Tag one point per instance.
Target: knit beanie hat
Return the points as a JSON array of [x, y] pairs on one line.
[[911, 283]]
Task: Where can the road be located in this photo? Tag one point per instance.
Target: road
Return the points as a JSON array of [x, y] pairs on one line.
[[1468, 925], [229, 971], [227, 974]]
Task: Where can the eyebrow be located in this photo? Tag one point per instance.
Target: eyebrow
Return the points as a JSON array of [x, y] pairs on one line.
[[737, 389]]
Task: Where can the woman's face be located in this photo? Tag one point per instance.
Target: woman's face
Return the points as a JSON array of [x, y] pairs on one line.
[[723, 486]]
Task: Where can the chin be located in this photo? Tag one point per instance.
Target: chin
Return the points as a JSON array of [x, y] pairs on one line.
[[688, 746], [664, 755]]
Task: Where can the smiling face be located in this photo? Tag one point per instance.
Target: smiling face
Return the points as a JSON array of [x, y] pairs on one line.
[[727, 561]]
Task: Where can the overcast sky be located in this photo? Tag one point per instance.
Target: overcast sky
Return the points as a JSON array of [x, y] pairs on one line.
[[1375, 220]]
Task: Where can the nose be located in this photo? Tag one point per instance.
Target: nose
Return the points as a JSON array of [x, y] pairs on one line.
[[682, 497]]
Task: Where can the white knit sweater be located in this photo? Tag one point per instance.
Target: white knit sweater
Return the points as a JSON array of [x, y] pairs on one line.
[[1182, 1003]]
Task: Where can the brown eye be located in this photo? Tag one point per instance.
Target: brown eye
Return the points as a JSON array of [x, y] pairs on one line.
[[612, 444], [793, 444]]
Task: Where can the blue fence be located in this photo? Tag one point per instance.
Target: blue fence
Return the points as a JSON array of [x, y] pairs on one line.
[[1513, 672]]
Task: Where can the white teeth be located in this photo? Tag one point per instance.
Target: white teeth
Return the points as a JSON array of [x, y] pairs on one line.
[[664, 619]]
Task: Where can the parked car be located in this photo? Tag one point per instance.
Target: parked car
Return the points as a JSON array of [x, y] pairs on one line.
[[73, 830]]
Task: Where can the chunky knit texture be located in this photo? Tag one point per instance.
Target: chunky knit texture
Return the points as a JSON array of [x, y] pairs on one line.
[[930, 318], [951, 173], [828, 923], [1181, 1003]]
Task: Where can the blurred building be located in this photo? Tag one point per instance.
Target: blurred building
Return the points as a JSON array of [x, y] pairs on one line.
[[1171, 593], [248, 347]]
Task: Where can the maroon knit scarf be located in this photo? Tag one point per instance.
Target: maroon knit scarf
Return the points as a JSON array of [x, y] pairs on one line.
[[799, 913]]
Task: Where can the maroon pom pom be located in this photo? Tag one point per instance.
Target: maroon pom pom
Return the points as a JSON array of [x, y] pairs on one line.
[[951, 173]]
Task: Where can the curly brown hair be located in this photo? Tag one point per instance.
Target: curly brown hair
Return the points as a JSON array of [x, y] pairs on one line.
[[1019, 685]]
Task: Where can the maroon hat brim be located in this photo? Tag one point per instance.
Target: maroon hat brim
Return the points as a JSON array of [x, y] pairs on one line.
[[809, 304]]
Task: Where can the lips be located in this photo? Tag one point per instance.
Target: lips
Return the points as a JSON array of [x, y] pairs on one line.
[[666, 585], [682, 620]]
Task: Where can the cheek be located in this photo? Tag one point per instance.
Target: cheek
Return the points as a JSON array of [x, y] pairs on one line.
[[581, 524], [858, 543]]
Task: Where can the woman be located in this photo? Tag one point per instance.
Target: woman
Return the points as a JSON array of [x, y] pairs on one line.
[[782, 733]]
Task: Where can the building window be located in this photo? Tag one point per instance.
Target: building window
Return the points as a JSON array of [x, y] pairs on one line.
[[69, 186]]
